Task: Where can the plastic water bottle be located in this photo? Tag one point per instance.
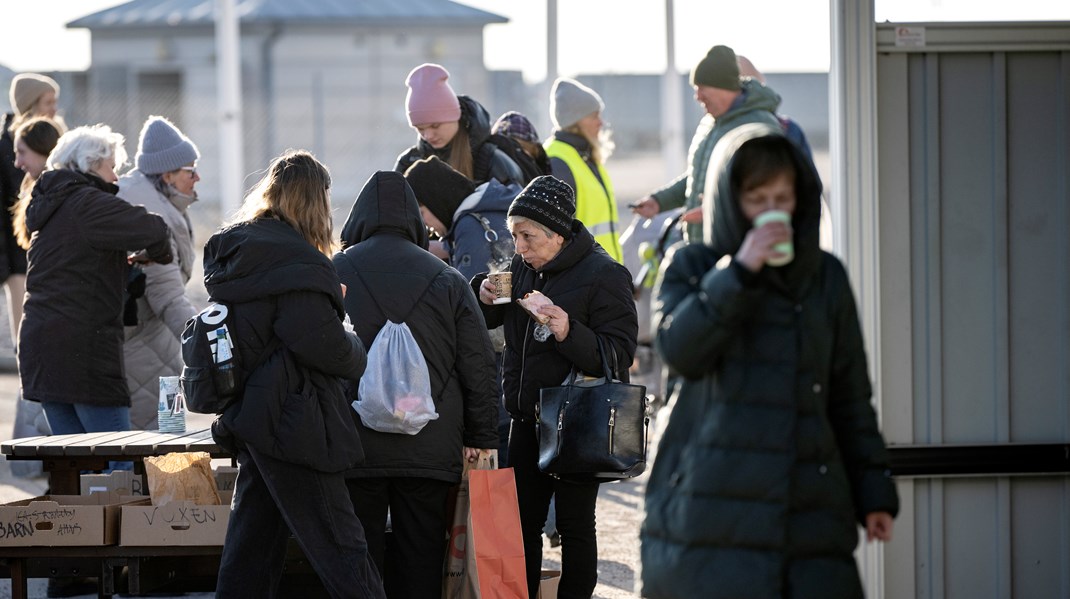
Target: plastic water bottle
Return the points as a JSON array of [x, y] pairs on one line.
[[224, 376]]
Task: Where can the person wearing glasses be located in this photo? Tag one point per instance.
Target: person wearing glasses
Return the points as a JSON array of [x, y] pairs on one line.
[[163, 183]]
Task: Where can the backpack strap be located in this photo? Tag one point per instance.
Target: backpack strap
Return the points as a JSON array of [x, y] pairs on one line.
[[481, 161], [413, 307], [488, 232]]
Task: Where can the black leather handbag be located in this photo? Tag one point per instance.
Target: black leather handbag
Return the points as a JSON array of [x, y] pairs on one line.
[[593, 430]]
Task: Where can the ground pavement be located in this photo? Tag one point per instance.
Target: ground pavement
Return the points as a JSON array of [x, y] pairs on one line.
[[618, 513]]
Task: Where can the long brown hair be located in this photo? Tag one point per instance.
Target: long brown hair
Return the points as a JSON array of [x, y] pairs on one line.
[[40, 134], [460, 157], [295, 190]]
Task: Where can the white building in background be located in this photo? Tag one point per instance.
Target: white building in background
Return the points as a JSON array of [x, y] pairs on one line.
[[325, 76]]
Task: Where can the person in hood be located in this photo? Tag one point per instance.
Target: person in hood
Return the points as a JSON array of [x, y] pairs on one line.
[[163, 182], [729, 101], [471, 222], [71, 336], [291, 432], [592, 299], [454, 128], [390, 275], [772, 454]]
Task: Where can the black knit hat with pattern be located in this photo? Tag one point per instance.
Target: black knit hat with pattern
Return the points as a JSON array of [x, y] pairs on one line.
[[439, 187], [548, 201]]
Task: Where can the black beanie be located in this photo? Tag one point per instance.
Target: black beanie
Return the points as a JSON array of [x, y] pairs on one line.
[[439, 187], [718, 69], [548, 201]]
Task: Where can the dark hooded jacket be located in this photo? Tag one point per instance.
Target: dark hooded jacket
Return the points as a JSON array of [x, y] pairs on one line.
[[389, 274], [71, 338], [772, 453], [12, 257], [475, 120], [287, 312], [596, 292]]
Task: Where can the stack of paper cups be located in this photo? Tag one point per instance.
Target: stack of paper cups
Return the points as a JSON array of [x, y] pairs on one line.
[[172, 408]]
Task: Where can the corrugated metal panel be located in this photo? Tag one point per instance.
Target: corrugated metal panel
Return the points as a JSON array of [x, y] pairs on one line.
[[175, 13], [975, 160]]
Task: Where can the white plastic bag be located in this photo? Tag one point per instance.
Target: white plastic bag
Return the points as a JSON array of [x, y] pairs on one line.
[[395, 392]]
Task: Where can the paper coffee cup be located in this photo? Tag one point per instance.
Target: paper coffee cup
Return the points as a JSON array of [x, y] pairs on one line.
[[503, 286], [786, 249]]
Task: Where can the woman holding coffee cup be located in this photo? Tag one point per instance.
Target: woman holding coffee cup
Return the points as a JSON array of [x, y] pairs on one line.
[[772, 451], [590, 298]]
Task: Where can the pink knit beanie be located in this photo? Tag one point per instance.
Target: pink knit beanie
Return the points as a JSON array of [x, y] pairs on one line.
[[430, 98]]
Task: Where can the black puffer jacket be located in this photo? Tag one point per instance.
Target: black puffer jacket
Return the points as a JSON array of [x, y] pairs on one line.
[[287, 300], [475, 120], [12, 257], [71, 338], [596, 292], [386, 267], [772, 453]]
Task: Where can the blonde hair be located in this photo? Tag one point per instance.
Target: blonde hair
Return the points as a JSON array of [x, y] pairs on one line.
[[295, 190], [601, 148]]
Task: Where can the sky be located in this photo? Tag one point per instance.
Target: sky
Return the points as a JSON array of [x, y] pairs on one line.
[[595, 36]]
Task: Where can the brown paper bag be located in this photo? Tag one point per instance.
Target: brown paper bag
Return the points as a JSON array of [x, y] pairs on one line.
[[181, 476]]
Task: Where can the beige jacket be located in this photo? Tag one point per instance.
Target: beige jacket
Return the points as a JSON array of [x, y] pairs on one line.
[[153, 348]]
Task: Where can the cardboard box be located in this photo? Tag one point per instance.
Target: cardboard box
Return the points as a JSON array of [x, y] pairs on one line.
[[225, 477], [63, 520], [176, 523], [548, 584], [123, 482]]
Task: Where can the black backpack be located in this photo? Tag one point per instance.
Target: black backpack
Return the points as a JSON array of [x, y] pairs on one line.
[[212, 378], [210, 375]]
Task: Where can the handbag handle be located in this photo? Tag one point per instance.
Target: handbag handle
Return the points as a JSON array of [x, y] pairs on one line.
[[611, 375]]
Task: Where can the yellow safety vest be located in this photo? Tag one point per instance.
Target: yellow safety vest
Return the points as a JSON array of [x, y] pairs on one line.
[[596, 207]]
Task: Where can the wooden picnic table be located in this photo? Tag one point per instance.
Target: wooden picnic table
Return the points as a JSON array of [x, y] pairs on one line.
[[65, 457]]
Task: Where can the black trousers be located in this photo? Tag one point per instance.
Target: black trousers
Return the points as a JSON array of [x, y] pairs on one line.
[[575, 503], [412, 562], [274, 498]]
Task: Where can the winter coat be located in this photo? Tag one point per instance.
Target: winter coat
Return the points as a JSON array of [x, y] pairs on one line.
[[12, 257], [386, 267], [71, 337], [153, 348], [596, 292], [471, 252], [475, 120], [772, 454], [757, 104], [287, 303]]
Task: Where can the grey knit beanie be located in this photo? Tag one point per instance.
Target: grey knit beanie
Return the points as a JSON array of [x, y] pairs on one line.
[[162, 148], [571, 100], [719, 68], [549, 201]]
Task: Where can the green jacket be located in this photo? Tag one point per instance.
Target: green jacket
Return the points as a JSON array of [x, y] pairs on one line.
[[772, 454], [757, 104]]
